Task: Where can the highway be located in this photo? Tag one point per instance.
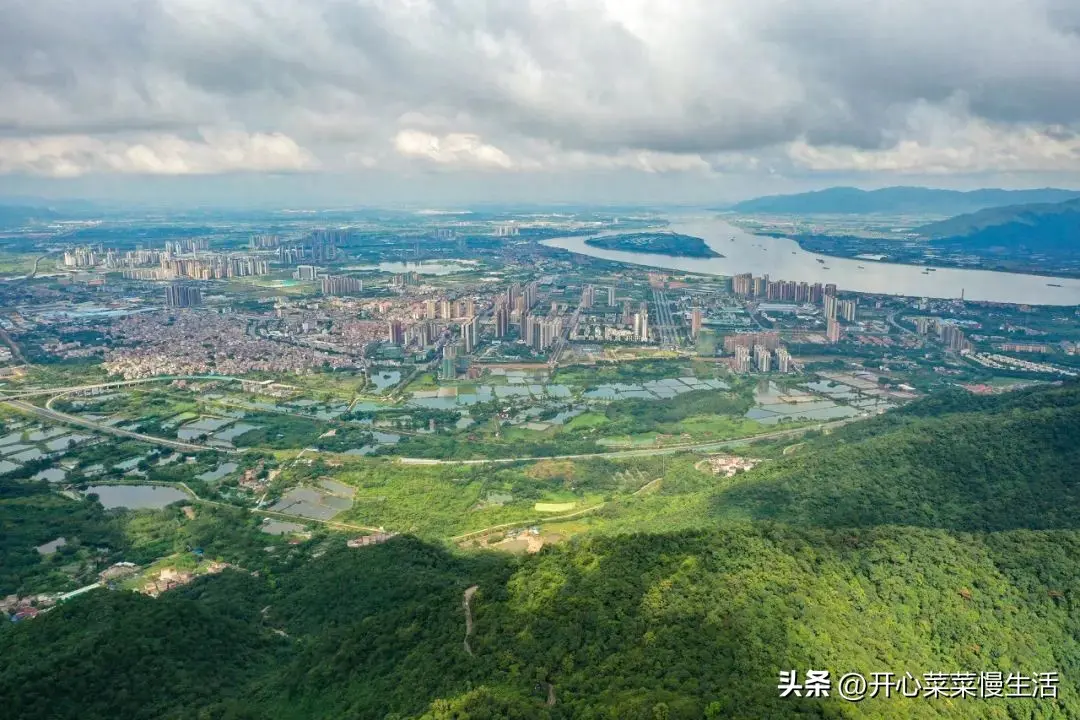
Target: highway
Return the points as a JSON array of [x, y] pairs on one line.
[[65, 419], [665, 323], [111, 384], [15, 401], [15, 351], [668, 450], [891, 318], [560, 342]]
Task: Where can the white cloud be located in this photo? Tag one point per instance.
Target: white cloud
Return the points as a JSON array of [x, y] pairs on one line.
[[644, 87], [646, 161], [215, 152], [462, 149], [938, 143]]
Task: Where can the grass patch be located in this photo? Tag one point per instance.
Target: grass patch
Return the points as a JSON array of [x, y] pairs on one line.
[[554, 507], [714, 426], [587, 421]]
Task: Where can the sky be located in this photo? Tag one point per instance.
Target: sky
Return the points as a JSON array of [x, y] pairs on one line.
[[362, 102]]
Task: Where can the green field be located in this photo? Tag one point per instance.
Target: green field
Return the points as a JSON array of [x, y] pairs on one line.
[[554, 507], [586, 421]]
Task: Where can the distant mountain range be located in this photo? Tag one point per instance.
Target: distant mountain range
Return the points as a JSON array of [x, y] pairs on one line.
[[1048, 228], [897, 200], [15, 215]]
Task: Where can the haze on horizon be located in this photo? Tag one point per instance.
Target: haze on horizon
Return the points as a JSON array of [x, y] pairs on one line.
[[448, 101]]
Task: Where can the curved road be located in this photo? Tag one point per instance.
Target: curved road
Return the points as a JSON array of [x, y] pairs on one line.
[[668, 450], [113, 384], [65, 419], [15, 402], [891, 319]]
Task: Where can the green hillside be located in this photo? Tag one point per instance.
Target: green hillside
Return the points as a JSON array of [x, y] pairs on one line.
[[893, 200], [1029, 215], [939, 538], [1003, 464], [1052, 230]]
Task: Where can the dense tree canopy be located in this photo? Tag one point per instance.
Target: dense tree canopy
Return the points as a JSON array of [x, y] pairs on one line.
[[937, 539]]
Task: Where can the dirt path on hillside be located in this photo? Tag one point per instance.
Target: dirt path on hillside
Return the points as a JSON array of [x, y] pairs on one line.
[[465, 603]]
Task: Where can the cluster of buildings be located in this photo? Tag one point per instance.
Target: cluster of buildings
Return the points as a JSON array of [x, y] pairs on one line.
[[331, 285], [319, 247], [87, 256], [747, 286], [589, 294], [367, 540], [171, 578], [178, 295], [761, 358], [151, 344], [1004, 362], [759, 351], [540, 333], [835, 308], [212, 267], [631, 327], [341, 285], [949, 334], [191, 258], [728, 465], [188, 258]]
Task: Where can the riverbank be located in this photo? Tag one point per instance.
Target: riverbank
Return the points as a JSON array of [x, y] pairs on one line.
[[784, 259], [856, 248]]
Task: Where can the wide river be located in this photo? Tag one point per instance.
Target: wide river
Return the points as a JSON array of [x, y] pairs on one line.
[[783, 259]]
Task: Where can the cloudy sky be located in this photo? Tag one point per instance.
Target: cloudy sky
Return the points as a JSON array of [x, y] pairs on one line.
[[368, 101]]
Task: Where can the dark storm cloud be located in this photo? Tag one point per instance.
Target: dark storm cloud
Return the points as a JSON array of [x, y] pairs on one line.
[[590, 76]]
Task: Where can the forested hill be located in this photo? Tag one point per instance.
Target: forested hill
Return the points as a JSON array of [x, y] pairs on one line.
[[940, 538], [1052, 229], [897, 200], [958, 462]]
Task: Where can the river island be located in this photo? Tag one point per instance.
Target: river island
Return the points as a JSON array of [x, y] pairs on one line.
[[659, 243]]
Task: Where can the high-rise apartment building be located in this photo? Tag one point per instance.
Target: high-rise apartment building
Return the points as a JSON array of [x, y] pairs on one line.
[[832, 330], [770, 340], [845, 309], [783, 360], [762, 358], [742, 359], [341, 285], [396, 331], [469, 334], [502, 321], [178, 295]]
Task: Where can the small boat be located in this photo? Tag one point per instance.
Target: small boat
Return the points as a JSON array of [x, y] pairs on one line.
[[826, 267], [1052, 285], [861, 267], [821, 261], [792, 252]]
